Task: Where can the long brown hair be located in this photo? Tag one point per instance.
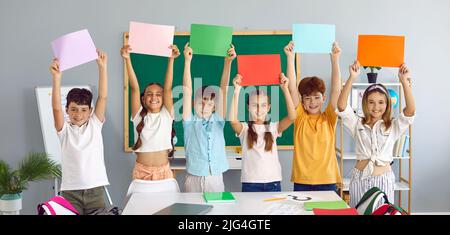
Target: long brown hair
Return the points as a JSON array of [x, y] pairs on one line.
[[387, 114], [252, 137], [141, 124]]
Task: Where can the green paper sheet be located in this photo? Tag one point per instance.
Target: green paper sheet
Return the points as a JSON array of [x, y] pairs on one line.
[[218, 197], [325, 205], [210, 39]]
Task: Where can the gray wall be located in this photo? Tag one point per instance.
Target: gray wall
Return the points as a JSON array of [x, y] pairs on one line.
[[28, 27]]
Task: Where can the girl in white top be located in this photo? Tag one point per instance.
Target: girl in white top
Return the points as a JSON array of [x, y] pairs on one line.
[[261, 170], [375, 134], [152, 115]]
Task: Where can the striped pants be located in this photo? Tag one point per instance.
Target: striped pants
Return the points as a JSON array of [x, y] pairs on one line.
[[358, 186]]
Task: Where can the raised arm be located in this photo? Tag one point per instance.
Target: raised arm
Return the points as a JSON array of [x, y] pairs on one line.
[[355, 70], [233, 116], [335, 75], [100, 105], [134, 84], [58, 113], [290, 72], [405, 80], [187, 83], [168, 97], [292, 115], [222, 105]]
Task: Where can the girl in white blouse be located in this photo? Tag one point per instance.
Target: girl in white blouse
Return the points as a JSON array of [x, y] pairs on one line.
[[375, 134]]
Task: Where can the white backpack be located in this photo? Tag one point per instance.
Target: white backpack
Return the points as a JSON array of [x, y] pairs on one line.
[[368, 204]]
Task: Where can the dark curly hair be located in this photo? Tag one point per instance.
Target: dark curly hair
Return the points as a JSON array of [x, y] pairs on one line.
[[79, 96]]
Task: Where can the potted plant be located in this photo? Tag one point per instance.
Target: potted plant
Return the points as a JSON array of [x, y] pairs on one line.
[[372, 76], [35, 167]]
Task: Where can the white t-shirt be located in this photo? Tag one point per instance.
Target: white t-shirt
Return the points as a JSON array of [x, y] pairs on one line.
[[258, 165], [83, 164], [157, 132]]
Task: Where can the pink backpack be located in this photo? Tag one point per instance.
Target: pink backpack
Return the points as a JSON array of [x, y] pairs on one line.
[[56, 205]]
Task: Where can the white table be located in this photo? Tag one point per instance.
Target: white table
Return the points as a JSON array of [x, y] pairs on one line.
[[247, 203]]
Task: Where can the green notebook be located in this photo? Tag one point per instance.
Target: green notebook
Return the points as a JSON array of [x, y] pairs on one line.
[[218, 197], [325, 205]]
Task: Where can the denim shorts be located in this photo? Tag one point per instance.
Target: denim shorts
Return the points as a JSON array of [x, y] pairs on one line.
[[262, 187], [314, 187]]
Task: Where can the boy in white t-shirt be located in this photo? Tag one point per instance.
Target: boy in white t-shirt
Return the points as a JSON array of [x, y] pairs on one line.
[[83, 166]]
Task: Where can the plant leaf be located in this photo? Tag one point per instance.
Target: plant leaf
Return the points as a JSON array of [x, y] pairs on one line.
[[5, 177], [36, 166]]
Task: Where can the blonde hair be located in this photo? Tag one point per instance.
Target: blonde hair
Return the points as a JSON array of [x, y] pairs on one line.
[[387, 114]]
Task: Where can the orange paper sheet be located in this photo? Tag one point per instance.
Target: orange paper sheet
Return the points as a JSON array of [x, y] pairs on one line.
[[258, 70], [381, 50]]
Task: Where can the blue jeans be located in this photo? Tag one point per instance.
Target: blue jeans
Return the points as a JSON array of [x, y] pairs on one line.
[[262, 187], [314, 187]]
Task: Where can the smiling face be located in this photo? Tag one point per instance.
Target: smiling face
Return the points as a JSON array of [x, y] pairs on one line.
[[204, 106], [153, 98], [376, 105], [78, 113], [258, 107], [313, 102], [312, 91]]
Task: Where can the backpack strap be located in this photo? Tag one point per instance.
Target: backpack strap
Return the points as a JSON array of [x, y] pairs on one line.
[[40, 209], [399, 209], [50, 208], [367, 195], [370, 207], [366, 205], [63, 202]]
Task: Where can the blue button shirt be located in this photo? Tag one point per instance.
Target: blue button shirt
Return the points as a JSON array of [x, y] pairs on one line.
[[205, 145]]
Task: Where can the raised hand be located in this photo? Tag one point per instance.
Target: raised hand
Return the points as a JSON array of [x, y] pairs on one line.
[[404, 75], [355, 69], [187, 52], [289, 49], [284, 83], [335, 51], [231, 54], [237, 82], [125, 52], [102, 59], [175, 51], [54, 69]]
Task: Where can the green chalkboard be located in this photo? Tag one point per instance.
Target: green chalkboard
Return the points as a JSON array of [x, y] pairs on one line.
[[209, 69]]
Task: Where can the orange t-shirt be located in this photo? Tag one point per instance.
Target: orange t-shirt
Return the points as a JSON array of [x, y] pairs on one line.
[[314, 148]]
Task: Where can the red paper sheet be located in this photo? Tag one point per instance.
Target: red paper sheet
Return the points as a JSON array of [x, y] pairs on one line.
[[347, 211], [259, 70]]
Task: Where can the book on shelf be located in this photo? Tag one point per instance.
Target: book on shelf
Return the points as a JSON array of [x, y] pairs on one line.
[[401, 146], [356, 100]]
